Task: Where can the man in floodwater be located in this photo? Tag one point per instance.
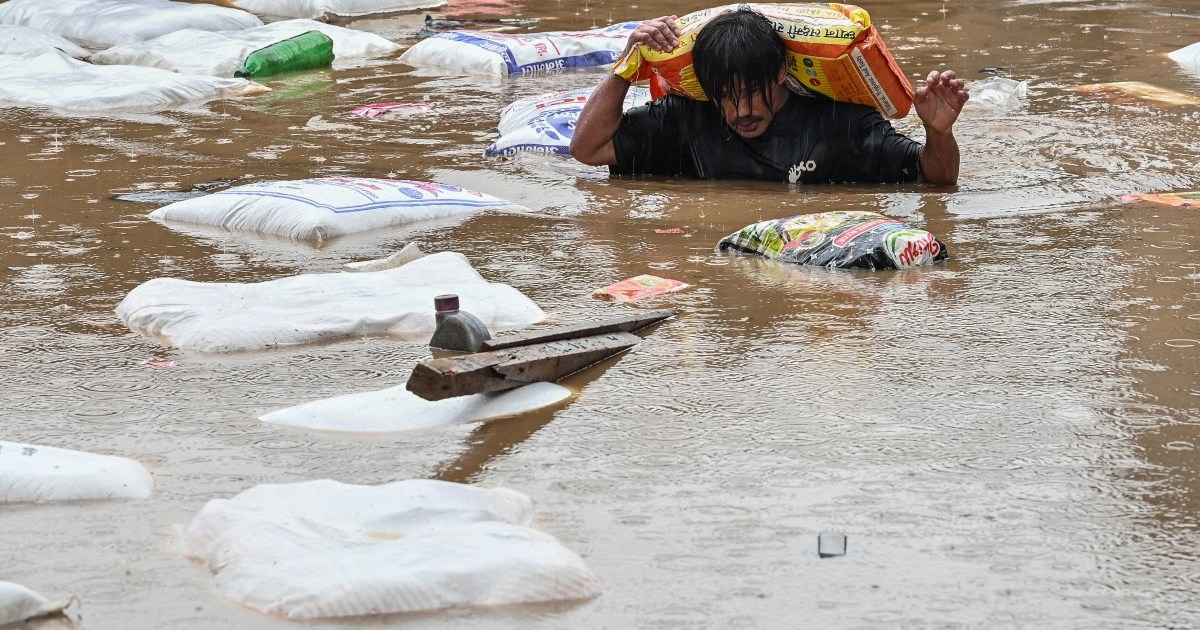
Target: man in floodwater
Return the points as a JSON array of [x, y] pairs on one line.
[[754, 127]]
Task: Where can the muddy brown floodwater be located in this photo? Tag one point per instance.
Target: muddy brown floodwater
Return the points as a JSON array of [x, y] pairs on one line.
[[1008, 439]]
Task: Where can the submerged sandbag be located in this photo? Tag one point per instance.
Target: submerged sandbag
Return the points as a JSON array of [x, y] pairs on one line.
[[228, 316], [328, 549], [843, 240], [104, 23], [497, 54], [396, 409], [546, 123], [24, 40], [31, 472], [19, 604], [1188, 57], [225, 52], [324, 9], [52, 79], [328, 207]]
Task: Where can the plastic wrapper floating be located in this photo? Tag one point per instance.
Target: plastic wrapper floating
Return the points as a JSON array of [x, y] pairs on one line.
[[1189, 199], [30, 472], [327, 549], [225, 53], [832, 50], [638, 287], [842, 240]]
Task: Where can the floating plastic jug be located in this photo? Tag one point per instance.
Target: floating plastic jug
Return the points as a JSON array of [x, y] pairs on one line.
[[456, 330], [305, 51]]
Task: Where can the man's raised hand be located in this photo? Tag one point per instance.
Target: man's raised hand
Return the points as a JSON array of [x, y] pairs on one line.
[[940, 100], [661, 34]]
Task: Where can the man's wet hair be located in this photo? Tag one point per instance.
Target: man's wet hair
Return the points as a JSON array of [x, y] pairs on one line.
[[738, 47]]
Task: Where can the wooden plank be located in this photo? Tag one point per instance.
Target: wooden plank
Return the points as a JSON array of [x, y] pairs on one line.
[[438, 379], [628, 323]]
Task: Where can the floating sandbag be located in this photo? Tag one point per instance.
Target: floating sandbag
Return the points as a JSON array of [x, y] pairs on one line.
[[52, 79], [844, 240], [325, 9], [104, 23], [327, 549], [226, 316], [24, 40], [396, 409], [325, 208], [19, 604], [832, 49], [1135, 92], [45, 473], [1188, 57], [225, 52], [497, 54], [546, 123]]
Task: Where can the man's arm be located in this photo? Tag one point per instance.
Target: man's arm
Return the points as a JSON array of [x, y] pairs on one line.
[[592, 141], [938, 105]]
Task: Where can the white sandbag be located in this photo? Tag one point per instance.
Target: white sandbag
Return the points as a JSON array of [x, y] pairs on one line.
[[1188, 57], [327, 549], [396, 409], [318, 9], [998, 93], [53, 79], [546, 123], [43, 473], [104, 23], [24, 40], [319, 209], [498, 54], [19, 604], [224, 52], [227, 316]]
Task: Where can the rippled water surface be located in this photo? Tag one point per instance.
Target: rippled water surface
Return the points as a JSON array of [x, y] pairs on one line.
[[1008, 439]]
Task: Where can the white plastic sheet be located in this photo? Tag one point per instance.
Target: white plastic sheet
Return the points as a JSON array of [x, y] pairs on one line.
[[24, 40], [226, 316], [19, 604], [52, 79], [317, 9], [998, 93], [396, 409], [224, 52], [1188, 57], [327, 549], [497, 54], [325, 208], [30, 472], [103, 23], [545, 123]]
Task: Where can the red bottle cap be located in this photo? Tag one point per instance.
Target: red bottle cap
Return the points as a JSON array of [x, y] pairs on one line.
[[447, 303]]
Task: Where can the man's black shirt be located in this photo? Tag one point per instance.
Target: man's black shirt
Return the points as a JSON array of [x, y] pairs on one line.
[[809, 141]]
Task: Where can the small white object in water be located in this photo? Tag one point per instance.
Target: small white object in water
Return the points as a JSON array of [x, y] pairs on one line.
[[998, 93], [407, 254], [1188, 57], [396, 409], [328, 549], [43, 473], [19, 604]]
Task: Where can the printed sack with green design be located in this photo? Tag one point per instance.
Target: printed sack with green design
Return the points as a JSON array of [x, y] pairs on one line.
[[842, 240]]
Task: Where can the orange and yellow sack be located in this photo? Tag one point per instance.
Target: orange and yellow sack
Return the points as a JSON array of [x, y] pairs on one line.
[[832, 50]]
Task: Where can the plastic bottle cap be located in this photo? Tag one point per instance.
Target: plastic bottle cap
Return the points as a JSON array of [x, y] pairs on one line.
[[445, 303]]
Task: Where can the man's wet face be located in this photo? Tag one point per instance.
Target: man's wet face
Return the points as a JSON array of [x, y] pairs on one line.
[[748, 113]]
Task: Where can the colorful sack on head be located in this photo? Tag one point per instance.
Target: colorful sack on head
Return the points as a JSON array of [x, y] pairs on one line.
[[843, 240], [832, 50]]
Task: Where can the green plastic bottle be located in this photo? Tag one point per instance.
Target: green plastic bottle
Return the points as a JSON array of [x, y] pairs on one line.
[[305, 51]]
